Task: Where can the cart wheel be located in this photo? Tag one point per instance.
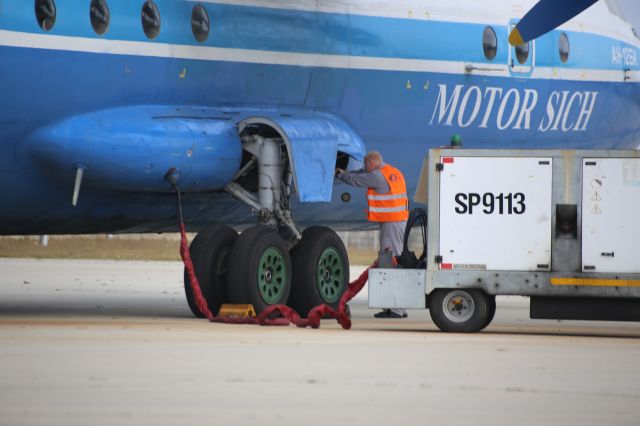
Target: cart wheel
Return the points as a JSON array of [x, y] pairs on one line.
[[460, 311], [492, 309]]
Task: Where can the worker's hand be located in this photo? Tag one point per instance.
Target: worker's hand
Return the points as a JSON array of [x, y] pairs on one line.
[[339, 171]]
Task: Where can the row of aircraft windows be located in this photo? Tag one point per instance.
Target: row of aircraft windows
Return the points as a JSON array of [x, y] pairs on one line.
[[99, 15], [100, 18], [490, 47]]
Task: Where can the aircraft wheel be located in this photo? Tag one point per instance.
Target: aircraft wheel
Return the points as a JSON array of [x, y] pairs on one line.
[[259, 269], [320, 270], [209, 253], [460, 311]]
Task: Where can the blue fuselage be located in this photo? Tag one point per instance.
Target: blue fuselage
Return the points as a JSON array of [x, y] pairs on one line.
[[403, 85]]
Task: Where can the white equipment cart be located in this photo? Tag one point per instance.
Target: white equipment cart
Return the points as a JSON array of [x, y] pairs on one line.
[[559, 226]]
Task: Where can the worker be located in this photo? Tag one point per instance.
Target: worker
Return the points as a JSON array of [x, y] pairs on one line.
[[388, 205]]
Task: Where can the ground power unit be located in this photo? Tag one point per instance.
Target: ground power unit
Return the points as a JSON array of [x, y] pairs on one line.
[[559, 226]]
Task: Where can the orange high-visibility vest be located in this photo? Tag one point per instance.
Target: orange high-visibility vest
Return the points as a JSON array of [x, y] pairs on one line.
[[392, 206]]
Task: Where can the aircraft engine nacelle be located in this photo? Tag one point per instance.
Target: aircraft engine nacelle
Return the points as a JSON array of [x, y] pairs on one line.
[[130, 149]]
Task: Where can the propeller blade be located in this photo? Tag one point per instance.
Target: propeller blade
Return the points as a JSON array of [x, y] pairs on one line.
[[545, 16]]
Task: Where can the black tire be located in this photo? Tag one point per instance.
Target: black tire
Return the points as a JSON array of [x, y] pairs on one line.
[[209, 253], [315, 283], [259, 269], [459, 310], [491, 309]]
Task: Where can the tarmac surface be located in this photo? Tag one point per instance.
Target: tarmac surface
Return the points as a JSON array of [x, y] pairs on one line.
[[113, 342]]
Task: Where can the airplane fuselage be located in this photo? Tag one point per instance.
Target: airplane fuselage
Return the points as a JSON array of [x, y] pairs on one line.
[[405, 77]]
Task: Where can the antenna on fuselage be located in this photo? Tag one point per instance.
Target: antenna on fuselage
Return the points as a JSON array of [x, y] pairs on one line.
[[78, 182]]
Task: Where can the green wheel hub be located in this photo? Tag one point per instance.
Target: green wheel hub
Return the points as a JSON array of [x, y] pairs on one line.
[[272, 275], [330, 275]]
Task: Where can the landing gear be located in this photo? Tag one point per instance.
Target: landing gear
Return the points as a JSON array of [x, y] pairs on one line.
[[210, 255], [461, 311], [259, 262], [320, 270], [259, 269]]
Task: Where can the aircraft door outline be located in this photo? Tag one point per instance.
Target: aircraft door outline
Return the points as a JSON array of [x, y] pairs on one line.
[[516, 68]]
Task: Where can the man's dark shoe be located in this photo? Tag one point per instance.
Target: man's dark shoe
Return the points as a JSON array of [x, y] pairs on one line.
[[388, 313]]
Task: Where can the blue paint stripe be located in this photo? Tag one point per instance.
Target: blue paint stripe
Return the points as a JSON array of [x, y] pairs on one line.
[[256, 28]]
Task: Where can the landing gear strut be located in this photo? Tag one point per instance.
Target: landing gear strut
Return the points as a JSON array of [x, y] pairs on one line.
[[274, 184]]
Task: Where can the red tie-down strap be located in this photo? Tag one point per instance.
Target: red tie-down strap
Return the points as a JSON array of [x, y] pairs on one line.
[[289, 316]]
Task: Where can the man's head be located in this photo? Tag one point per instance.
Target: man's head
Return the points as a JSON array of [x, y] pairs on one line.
[[372, 161]]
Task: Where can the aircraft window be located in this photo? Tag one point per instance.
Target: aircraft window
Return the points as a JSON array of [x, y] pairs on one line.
[[46, 14], [522, 53], [489, 43], [564, 47], [150, 19], [99, 13], [200, 23]]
